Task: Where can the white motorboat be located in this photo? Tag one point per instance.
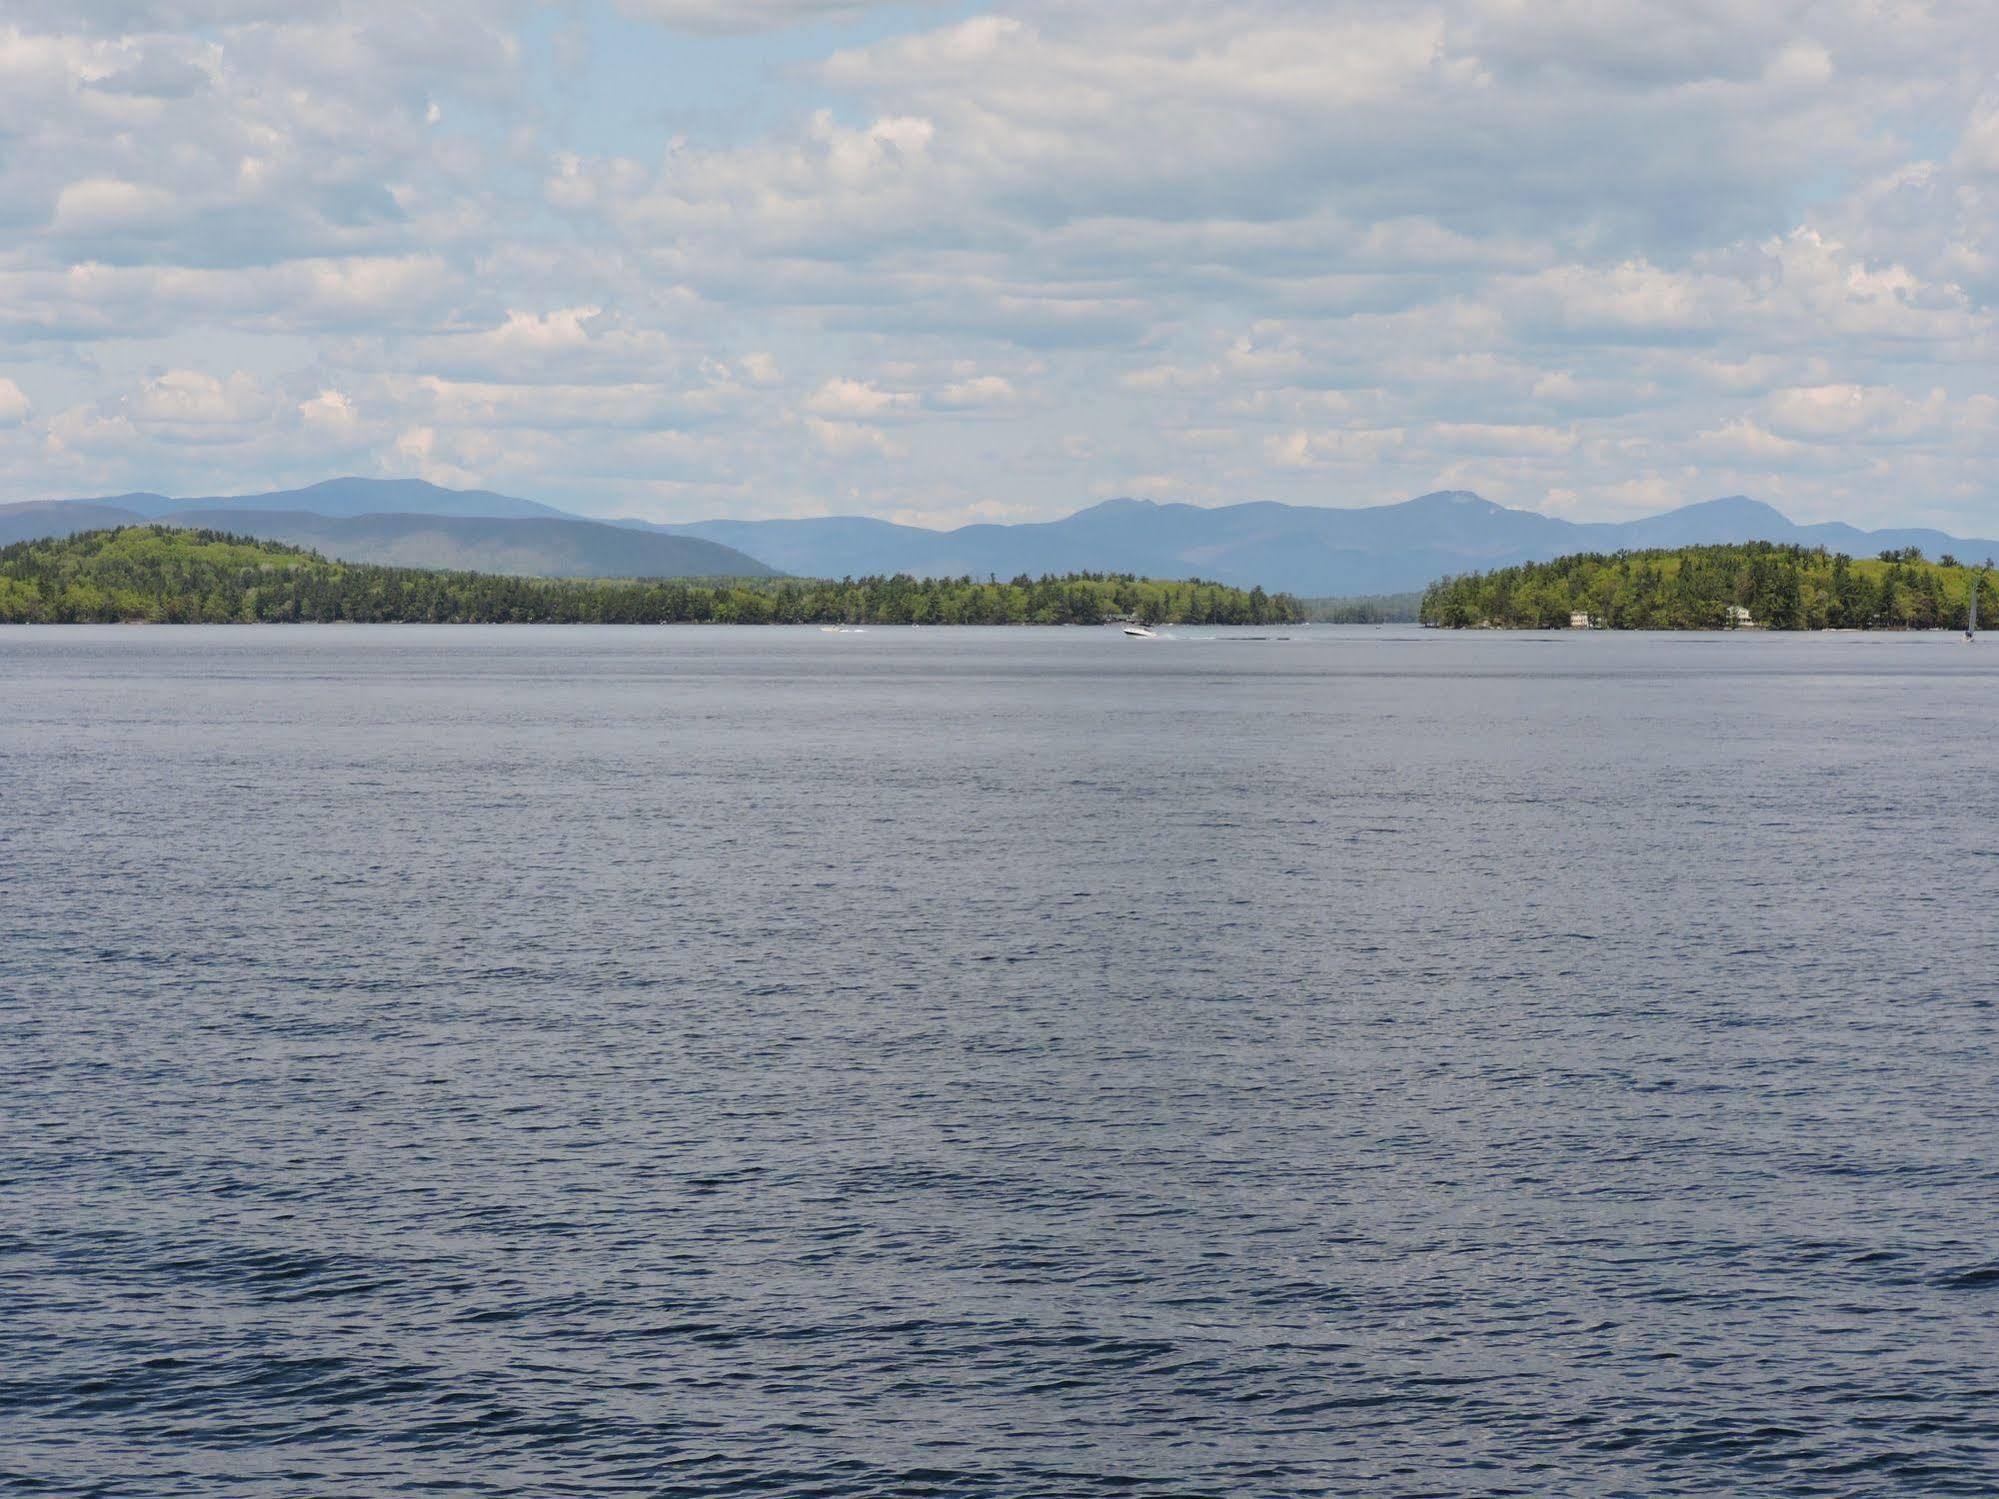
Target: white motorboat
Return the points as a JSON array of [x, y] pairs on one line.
[[1141, 632]]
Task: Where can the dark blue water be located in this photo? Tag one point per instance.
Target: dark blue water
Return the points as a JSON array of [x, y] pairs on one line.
[[506, 1061]]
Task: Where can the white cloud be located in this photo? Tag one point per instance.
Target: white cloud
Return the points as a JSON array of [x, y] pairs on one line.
[[83, 431], [580, 344], [1741, 440], [980, 393], [99, 203], [92, 299], [1820, 413], [517, 406], [853, 439], [738, 17], [1311, 450], [1489, 439], [1167, 377], [857, 398], [1589, 255], [564, 329], [330, 410], [1978, 145], [194, 398], [1632, 301]]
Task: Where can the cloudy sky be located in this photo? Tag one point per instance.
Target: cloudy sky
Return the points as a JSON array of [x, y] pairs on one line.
[[944, 261]]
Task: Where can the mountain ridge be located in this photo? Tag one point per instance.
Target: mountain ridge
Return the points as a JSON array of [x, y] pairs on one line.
[[1309, 550], [344, 497], [541, 542], [1312, 551]]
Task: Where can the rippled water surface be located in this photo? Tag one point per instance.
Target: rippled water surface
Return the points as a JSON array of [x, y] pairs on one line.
[[470, 1061]]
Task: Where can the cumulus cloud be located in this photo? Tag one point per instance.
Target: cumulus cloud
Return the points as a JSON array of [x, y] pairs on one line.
[[100, 203], [853, 439], [980, 393], [191, 398], [1335, 447], [1591, 257], [740, 17], [562, 344], [1504, 440], [1845, 413], [857, 398], [1977, 151], [329, 411], [1741, 440]]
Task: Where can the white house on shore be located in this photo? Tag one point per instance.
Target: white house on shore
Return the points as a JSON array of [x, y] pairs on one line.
[[1581, 621]]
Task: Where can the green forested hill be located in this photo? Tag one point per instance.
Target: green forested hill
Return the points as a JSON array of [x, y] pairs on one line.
[[1697, 588], [168, 576]]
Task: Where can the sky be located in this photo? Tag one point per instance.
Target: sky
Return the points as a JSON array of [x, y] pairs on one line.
[[942, 262]]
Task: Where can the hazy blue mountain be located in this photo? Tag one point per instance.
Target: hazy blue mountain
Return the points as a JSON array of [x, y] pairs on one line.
[[1736, 518], [331, 497], [39, 518], [534, 546], [1303, 549], [1309, 550], [833, 546], [368, 497]]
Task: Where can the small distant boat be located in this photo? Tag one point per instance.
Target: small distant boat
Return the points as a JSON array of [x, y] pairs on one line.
[[1971, 624], [1141, 632]]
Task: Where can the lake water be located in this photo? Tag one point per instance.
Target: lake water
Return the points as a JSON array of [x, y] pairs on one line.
[[482, 1061]]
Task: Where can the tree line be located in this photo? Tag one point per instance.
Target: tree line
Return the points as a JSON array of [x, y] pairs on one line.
[[1778, 587], [163, 575], [1363, 609]]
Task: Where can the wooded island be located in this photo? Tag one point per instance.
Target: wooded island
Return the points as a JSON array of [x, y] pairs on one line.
[[1749, 584], [162, 575]]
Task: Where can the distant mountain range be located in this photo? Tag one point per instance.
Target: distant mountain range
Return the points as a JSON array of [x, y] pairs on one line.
[[1309, 550], [407, 523], [347, 497]]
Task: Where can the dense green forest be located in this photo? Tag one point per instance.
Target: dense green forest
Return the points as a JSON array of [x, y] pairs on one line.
[[167, 576], [1712, 587]]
